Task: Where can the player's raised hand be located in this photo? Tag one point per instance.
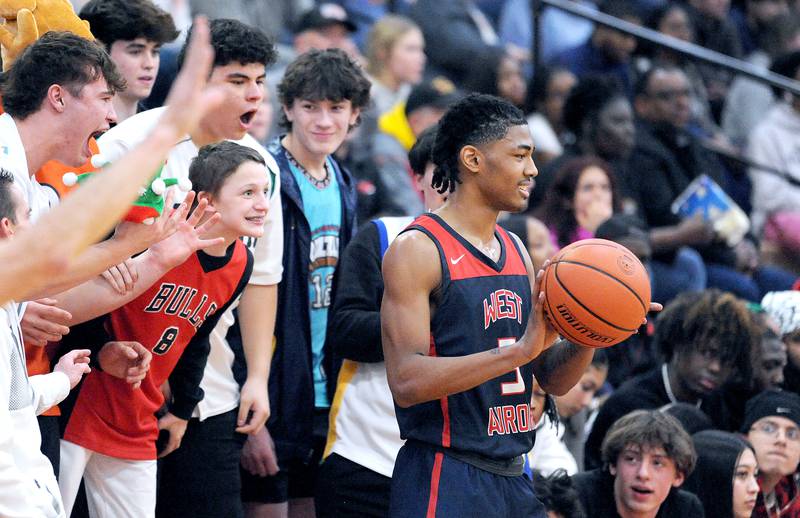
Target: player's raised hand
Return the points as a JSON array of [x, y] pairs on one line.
[[188, 235], [190, 98], [74, 364], [43, 322], [128, 361]]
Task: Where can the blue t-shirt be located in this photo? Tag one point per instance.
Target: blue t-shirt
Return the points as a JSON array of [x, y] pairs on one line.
[[322, 207]]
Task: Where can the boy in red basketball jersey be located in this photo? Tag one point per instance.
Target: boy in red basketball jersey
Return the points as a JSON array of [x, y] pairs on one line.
[[110, 436], [463, 332]]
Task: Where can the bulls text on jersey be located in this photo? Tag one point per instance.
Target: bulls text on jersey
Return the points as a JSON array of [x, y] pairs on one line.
[[176, 299]]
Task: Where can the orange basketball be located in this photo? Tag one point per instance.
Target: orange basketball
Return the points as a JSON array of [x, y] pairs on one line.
[[596, 293]]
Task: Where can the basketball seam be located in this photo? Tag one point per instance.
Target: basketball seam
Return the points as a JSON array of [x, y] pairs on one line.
[[581, 304], [633, 292], [567, 333]]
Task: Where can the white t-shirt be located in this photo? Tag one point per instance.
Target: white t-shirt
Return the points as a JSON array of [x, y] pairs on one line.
[[29, 487], [219, 385], [12, 159]]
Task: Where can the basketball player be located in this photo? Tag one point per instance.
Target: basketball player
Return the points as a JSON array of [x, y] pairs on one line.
[[115, 451], [363, 439], [462, 336]]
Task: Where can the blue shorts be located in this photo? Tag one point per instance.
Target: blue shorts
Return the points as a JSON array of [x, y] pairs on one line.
[[427, 483]]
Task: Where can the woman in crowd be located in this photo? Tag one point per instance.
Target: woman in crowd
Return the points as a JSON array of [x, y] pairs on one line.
[[395, 60], [582, 196], [725, 475]]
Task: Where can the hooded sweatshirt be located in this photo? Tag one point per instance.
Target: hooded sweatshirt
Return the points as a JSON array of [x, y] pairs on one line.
[[712, 478]]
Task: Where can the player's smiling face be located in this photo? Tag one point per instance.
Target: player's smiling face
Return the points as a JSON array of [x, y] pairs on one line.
[[243, 86], [243, 202], [507, 169], [321, 126], [643, 479]]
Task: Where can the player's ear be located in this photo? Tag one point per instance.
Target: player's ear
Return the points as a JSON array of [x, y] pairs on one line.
[[55, 97], [470, 157], [6, 228], [203, 195]]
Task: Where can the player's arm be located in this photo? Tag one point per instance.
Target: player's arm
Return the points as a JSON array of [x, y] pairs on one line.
[[257, 311], [87, 215], [411, 273], [97, 297]]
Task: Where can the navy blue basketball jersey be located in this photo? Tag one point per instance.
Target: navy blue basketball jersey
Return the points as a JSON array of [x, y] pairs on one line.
[[480, 305]]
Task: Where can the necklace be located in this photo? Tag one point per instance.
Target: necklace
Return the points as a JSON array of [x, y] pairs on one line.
[[316, 182], [489, 251], [668, 386]]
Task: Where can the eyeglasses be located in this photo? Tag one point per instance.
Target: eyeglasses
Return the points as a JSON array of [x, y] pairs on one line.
[[670, 95], [792, 433]]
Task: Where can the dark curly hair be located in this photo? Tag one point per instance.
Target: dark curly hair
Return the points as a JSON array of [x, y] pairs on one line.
[[57, 58], [587, 99], [474, 120], [112, 20], [236, 42], [712, 322], [558, 210], [323, 75]]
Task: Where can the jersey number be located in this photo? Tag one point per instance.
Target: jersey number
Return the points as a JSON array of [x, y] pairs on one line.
[[510, 388], [168, 338], [322, 291]]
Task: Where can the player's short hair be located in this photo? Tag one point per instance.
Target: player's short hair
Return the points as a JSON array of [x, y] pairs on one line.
[[419, 156], [112, 20], [323, 75], [475, 120], [57, 58], [236, 42], [8, 208], [710, 322], [587, 99], [650, 429], [215, 163]]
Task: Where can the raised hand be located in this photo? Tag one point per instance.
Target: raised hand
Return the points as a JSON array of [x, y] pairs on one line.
[[187, 237]]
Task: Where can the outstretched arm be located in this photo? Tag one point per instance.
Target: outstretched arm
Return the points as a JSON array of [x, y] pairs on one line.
[[39, 255], [97, 297], [411, 272]]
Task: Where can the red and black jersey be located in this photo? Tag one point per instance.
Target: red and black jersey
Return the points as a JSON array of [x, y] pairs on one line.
[[481, 304], [173, 319]]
